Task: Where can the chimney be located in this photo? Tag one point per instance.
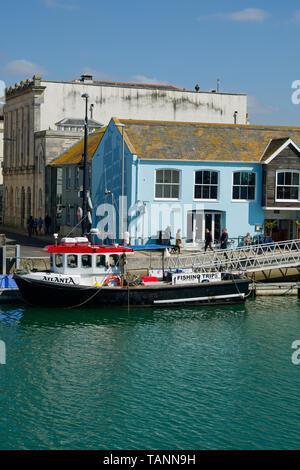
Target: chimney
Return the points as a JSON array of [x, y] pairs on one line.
[[86, 78]]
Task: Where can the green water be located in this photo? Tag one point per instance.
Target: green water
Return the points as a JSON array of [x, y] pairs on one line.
[[197, 378]]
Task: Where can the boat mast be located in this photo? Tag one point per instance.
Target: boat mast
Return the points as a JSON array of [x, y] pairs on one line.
[[85, 169]]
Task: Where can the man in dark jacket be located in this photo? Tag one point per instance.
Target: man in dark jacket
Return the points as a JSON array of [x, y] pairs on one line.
[[224, 241], [208, 240]]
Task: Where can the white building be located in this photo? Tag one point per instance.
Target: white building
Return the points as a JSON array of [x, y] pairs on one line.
[[36, 109]]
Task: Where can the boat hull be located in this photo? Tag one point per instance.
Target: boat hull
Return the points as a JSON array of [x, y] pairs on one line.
[[53, 294]]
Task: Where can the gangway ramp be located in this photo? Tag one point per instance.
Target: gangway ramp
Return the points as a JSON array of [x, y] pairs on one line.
[[248, 259]]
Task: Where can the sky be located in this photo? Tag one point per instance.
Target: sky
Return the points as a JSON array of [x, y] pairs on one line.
[[252, 47]]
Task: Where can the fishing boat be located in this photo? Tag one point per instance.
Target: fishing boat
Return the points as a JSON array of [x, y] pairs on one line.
[[84, 274]]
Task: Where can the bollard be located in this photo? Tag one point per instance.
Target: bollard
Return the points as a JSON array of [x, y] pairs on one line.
[[17, 256], [3, 259]]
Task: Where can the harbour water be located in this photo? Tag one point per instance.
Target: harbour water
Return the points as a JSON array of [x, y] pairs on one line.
[[194, 378]]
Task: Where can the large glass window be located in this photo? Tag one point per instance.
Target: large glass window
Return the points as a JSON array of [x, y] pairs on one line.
[[206, 184], [72, 261], [59, 260], [100, 261], [113, 260], [244, 183], [287, 185], [167, 184], [86, 261]]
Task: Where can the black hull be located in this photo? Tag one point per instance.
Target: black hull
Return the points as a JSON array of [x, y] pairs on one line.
[[52, 294]]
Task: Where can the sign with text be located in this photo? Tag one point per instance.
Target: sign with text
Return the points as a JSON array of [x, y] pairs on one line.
[[194, 278]]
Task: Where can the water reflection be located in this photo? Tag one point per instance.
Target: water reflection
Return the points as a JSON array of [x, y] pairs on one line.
[[60, 317]]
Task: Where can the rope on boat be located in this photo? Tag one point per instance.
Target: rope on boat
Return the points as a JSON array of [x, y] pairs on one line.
[[85, 301]]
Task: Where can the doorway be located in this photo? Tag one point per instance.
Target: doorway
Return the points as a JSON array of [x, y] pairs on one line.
[[198, 221]]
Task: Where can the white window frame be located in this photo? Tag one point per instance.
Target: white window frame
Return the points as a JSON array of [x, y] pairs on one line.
[[218, 185], [255, 188], [179, 184], [292, 186], [68, 177]]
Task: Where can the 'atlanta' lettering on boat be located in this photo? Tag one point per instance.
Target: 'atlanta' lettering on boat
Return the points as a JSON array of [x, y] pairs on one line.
[[64, 280]]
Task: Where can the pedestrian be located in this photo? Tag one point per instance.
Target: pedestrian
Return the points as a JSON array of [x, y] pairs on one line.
[[40, 225], [208, 240], [35, 227], [224, 241], [47, 224], [167, 235], [248, 239], [179, 238], [126, 238], [30, 225]]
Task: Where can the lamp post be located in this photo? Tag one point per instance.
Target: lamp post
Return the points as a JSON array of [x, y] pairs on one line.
[[121, 235], [85, 168]]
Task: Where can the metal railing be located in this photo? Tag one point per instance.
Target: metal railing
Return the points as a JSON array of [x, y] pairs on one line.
[[249, 258]]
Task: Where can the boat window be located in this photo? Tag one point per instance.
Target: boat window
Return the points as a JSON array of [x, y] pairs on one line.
[[113, 260], [100, 261], [51, 261], [72, 261], [59, 260], [86, 261]]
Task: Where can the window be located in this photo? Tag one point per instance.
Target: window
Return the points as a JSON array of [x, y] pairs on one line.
[[17, 197], [68, 215], [244, 185], [287, 185], [100, 261], [86, 261], [76, 177], [167, 184], [72, 261], [113, 260], [68, 178], [58, 261], [40, 199], [206, 184]]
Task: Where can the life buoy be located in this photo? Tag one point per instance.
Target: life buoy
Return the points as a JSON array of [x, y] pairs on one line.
[[112, 281]]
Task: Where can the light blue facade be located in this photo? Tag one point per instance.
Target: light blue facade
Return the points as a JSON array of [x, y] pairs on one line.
[[187, 213]]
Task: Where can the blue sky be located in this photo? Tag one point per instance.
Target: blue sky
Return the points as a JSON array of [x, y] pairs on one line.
[[252, 47]]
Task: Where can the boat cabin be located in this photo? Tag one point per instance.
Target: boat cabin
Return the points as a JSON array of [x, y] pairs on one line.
[[76, 256]]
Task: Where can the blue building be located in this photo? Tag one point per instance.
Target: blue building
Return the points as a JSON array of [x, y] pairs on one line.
[[195, 176]]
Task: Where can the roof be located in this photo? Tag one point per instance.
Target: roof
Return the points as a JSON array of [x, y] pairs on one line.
[[203, 141], [72, 122], [275, 146], [86, 249], [130, 85], [74, 154]]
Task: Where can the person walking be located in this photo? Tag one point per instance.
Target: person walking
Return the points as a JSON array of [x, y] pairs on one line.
[[224, 241], [47, 224], [126, 240], [40, 225], [208, 240], [35, 227], [30, 225]]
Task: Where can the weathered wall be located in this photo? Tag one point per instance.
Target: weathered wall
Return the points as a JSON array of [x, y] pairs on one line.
[[62, 100]]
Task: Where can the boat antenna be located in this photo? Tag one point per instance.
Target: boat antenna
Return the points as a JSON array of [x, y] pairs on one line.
[[85, 168]]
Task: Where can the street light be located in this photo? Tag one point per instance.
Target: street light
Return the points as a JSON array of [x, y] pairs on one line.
[[85, 167], [122, 182]]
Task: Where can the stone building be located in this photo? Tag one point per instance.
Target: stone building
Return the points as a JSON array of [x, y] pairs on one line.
[[43, 118]]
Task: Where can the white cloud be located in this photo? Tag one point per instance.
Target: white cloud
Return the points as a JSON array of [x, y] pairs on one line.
[[248, 14], [296, 17], [24, 67], [61, 4], [255, 107]]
